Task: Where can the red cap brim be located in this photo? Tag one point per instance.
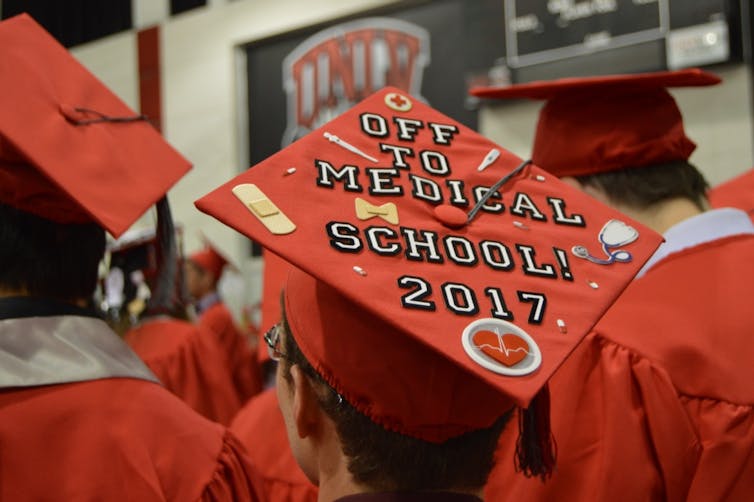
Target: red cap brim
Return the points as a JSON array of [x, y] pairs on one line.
[[547, 89]]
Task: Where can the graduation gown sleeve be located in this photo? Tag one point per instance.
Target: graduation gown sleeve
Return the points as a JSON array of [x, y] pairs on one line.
[[656, 403], [243, 363]]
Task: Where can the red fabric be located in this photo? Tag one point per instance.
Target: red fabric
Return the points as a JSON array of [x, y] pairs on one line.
[[186, 359], [115, 439], [584, 133], [113, 170], [25, 188], [547, 89], [657, 403], [737, 192], [260, 427], [240, 359]]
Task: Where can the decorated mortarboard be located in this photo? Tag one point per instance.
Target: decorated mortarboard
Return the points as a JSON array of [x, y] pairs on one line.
[[70, 150], [599, 124], [439, 279]]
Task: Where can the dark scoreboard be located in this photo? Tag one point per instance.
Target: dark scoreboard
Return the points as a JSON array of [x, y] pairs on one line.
[[539, 31], [555, 38]]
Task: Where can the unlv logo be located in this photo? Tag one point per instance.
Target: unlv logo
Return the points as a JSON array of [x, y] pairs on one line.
[[336, 68]]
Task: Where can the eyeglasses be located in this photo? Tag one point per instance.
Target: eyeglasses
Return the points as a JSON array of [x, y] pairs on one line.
[[272, 339]]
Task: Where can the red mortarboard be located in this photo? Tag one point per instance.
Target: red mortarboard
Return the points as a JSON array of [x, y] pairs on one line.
[[430, 325], [70, 150], [210, 259], [599, 124], [737, 192]]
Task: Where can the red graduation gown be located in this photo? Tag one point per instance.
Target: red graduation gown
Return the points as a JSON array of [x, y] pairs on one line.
[[82, 418], [188, 363], [737, 192], [656, 403], [115, 439], [241, 360], [260, 427]]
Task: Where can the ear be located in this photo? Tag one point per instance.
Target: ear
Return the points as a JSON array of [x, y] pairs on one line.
[[307, 414]]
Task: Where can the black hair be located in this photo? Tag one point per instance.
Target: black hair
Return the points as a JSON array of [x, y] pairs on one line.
[[643, 187], [43, 258]]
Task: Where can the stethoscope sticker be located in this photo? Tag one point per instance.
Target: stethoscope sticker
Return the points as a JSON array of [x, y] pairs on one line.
[[614, 235]]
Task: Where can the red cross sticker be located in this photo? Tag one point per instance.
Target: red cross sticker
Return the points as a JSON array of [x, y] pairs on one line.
[[398, 102]]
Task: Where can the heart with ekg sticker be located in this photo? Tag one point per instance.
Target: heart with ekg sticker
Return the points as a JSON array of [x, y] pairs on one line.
[[616, 233], [507, 349]]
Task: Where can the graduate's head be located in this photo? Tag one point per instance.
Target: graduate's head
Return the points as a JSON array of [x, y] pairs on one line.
[[43, 258], [145, 276], [75, 161], [203, 270], [378, 458], [433, 290]]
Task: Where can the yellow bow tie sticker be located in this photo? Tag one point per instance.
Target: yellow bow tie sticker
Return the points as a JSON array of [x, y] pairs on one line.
[[365, 210]]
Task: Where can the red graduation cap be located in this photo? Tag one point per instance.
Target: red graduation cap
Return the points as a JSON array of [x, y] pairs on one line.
[[599, 124], [71, 150], [428, 306]]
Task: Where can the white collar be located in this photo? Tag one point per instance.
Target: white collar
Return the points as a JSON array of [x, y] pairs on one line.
[[62, 349], [705, 227]]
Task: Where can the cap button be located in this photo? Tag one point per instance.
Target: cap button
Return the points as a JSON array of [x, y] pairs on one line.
[[451, 216]]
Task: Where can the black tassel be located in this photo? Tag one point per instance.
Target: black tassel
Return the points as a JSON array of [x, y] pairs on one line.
[[535, 448], [167, 297]]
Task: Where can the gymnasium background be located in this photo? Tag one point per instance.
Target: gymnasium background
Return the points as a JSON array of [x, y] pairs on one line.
[[209, 71]]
